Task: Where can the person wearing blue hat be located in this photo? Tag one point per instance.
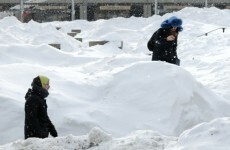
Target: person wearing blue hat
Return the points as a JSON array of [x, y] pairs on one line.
[[163, 42]]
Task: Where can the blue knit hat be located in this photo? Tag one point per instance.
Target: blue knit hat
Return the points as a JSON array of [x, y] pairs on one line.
[[172, 22]]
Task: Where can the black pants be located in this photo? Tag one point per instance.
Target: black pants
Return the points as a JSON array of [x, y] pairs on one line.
[[175, 61]]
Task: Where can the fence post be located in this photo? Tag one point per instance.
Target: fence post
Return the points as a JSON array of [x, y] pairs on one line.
[[73, 11], [156, 8], [122, 43], [21, 10], [206, 3]]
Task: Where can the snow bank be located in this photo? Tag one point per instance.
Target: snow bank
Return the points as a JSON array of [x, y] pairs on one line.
[[146, 140], [212, 135], [43, 55], [159, 96], [206, 136], [36, 34]]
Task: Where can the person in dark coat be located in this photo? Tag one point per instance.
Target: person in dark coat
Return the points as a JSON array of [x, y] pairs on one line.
[[37, 121], [163, 42]]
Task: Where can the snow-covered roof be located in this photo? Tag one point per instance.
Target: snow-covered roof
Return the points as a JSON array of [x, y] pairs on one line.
[[36, 1], [17, 7], [11, 1], [112, 1], [125, 1], [49, 1]]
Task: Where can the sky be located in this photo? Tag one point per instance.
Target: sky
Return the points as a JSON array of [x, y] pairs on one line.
[[107, 98]]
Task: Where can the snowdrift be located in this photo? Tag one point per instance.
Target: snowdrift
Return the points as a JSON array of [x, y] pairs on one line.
[[159, 96], [206, 136], [119, 91], [95, 140], [211, 135]]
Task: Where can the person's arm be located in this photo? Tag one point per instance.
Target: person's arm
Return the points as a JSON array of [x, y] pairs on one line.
[[52, 130], [151, 42], [161, 38]]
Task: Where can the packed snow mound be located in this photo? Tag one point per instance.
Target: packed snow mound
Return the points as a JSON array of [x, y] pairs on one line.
[[206, 136], [69, 142], [159, 96], [43, 54], [97, 136], [7, 22], [138, 140], [211, 135], [96, 140], [206, 15], [35, 34]]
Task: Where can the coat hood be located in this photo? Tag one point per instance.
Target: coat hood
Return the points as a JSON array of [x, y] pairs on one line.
[[38, 87]]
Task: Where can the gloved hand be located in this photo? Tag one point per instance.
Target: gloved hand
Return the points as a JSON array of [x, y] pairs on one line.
[[53, 132]]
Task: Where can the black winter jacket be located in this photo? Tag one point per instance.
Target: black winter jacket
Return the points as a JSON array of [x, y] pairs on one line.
[[37, 122], [162, 49]]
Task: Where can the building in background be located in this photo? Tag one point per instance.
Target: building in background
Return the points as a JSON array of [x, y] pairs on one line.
[[60, 10]]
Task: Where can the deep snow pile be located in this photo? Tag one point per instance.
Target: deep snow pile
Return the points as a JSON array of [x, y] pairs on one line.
[[119, 91], [206, 136], [96, 140]]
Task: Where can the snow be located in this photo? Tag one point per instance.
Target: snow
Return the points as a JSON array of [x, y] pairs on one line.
[[5, 14], [206, 136], [107, 98]]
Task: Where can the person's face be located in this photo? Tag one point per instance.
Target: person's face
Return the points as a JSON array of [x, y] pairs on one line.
[[47, 86], [174, 28]]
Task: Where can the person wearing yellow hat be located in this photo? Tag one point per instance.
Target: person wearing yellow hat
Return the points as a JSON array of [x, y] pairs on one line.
[[37, 121]]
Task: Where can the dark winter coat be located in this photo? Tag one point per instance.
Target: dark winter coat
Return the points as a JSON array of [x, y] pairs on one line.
[[162, 49], [37, 122]]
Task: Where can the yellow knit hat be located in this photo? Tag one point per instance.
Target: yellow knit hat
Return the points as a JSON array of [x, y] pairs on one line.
[[44, 80]]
